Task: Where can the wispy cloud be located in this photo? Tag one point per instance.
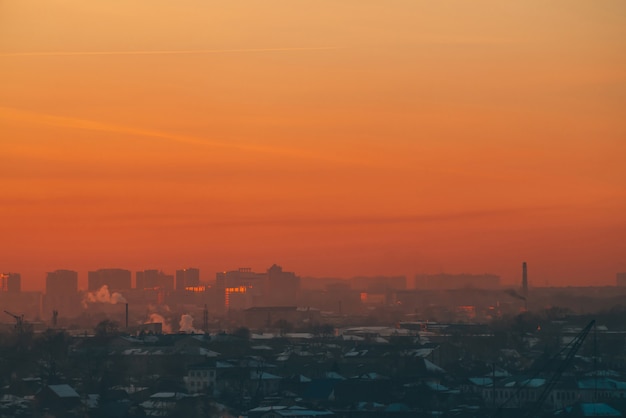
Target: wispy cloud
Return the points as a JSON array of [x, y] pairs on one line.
[[86, 124], [164, 52], [428, 218]]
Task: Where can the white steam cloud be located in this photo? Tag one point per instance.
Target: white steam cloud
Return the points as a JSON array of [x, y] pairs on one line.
[[186, 325], [103, 295], [155, 318]]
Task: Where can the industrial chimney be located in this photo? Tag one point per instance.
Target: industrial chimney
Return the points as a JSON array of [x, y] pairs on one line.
[[524, 280]]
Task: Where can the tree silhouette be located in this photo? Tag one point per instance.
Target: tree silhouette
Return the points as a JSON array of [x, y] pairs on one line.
[[242, 332], [107, 328]]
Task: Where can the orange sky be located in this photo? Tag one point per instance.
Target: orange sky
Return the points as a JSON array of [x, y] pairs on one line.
[[335, 138]]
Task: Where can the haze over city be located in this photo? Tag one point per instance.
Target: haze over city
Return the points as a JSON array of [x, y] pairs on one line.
[[312, 208], [333, 138]]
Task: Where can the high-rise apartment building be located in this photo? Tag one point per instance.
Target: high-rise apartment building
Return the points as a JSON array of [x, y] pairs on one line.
[[13, 299], [10, 282], [240, 289], [283, 287], [62, 292], [115, 279], [243, 288], [154, 279], [189, 277], [61, 282]]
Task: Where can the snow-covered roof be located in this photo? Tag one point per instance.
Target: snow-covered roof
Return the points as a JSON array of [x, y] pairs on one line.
[[481, 381], [499, 373], [334, 375], [207, 353], [599, 410], [254, 375], [135, 352], [64, 391], [352, 338], [131, 389], [264, 336], [528, 383], [355, 353], [418, 352], [290, 411], [432, 367], [92, 400], [605, 373], [223, 365], [261, 347], [370, 376], [601, 383], [299, 335], [168, 395], [437, 387]]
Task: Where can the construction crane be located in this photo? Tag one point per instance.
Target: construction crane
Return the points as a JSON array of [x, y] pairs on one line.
[[19, 321], [571, 349]]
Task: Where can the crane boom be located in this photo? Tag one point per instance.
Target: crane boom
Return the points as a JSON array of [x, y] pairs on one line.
[[573, 347], [13, 315], [19, 321]]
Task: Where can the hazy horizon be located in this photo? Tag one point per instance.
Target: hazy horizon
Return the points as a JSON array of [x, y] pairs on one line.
[[332, 138], [209, 276]]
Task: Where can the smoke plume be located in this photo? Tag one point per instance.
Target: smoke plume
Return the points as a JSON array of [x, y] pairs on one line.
[[103, 295], [155, 318], [186, 325]]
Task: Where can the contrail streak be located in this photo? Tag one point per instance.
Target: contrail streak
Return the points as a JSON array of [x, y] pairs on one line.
[[167, 52], [91, 125]]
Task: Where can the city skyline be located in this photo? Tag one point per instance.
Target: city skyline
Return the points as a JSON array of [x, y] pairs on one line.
[[121, 278], [360, 138], [324, 208]]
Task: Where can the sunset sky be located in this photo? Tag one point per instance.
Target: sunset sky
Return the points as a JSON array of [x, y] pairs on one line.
[[335, 138]]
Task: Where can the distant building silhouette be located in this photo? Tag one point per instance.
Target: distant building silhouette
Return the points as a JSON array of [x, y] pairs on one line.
[[189, 277], [620, 279], [10, 282], [61, 282], [13, 299], [377, 290], [115, 279], [240, 289], [456, 281], [283, 287], [154, 279], [62, 292], [378, 284], [243, 288]]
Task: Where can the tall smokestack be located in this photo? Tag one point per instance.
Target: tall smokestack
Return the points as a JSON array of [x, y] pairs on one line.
[[524, 279], [127, 316], [205, 319]]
